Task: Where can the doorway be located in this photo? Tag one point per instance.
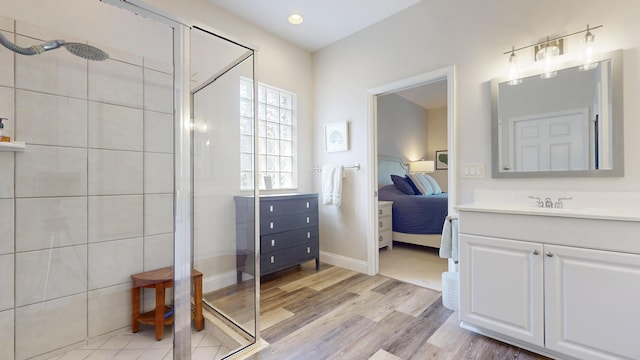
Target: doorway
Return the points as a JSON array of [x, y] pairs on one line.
[[445, 74]]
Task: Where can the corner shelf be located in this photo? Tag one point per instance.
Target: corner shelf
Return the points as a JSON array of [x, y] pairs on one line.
[[12, 146]]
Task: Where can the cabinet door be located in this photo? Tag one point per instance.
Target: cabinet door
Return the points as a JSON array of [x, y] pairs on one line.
[[592, 303], [502, 286]]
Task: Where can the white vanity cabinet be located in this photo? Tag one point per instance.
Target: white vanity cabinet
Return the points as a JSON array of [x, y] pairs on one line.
[[572, 294]]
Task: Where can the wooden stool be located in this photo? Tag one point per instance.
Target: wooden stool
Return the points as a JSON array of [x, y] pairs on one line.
[[161, 279]]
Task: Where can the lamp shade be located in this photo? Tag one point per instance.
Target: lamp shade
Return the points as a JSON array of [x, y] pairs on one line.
[[421, 166]]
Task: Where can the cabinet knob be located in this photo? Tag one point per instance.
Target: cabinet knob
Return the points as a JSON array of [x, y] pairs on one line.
[[308, 250], [307, 204], [308, 219], [308, 235], [273, 242], [273, 259], [380, 238], [535, 252], [271, 225], [549, 254], [379, 211], [380, 224], [270, 208]]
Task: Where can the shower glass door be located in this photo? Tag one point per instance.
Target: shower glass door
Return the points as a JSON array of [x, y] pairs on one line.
[[222, 75]]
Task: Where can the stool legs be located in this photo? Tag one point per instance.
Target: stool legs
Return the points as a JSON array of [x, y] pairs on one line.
[[135, 309], [159, 311], [197, 301]]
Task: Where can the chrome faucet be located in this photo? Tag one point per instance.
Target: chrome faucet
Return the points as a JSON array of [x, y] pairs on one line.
[[548, 203], [539, 202], [558, 204]]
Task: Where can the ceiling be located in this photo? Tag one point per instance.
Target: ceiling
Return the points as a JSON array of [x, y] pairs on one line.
[[429, 96], [325, 21]]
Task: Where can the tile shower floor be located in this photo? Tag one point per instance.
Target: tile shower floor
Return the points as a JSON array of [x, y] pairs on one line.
[[144, 346]]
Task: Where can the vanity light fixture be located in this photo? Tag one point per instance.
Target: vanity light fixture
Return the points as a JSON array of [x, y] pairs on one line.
[[548, 50], [421, 166], [295, 19]]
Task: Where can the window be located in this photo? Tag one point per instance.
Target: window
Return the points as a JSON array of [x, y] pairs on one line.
[[276, 137]]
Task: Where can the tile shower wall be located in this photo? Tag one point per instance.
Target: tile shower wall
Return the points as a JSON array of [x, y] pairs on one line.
[[89, 202]]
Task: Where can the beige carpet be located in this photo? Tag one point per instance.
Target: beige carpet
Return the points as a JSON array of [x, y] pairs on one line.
[[418, 265]]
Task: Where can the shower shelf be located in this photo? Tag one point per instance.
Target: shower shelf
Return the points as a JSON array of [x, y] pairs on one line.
[[12, 146]]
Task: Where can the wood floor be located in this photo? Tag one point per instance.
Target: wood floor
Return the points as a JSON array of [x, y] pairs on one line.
[[340, 314]]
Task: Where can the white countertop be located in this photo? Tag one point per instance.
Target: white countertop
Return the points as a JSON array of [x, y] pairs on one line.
[[619, 214]]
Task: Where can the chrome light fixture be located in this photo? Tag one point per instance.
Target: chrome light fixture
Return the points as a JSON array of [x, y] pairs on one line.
[[588, 51], [547, 52], [514, 70]]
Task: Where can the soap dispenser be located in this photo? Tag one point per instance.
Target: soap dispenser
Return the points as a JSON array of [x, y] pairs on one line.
[[3, 138]]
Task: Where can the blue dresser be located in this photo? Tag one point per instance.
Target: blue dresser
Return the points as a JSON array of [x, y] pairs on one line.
[[289, 232]]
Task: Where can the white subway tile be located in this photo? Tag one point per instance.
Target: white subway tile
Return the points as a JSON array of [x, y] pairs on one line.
[[7, 326], [7, 112], [158, 173], [6, 23], [50, 274], [115, 172], [109, 309], [158, 214], [7, 60], [6, 282], [51, 171], [54, 72], [50, 120], [115, 82], [115, 217], [159, 65], [158, 91], [7, 164], [113, 262], [32, 319], [158, 132], [158, 251], [45, 222], [6, 226], [115, 127]]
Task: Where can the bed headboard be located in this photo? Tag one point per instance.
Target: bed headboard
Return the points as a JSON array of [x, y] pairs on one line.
[[387, 166]]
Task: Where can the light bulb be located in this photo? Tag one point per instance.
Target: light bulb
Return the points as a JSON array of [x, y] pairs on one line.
[[588, 51], [513, 69]]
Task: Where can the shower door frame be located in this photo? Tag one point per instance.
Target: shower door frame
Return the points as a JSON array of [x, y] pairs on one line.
[[183, 174]]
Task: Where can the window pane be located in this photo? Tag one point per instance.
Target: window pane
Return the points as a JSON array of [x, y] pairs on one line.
[[273, 97], [246, 180], [272, 163], [272, 113], [246, 107], [285, 132], [286, 148], [262, 111], [262, 94], [272, 147], [262, 128], [246, 144], [285, 101], [263, 162], [246, 126], [286, 164], [286, 180], [272, 130], [285, 116], [262, 146], [246, 162], [246, 90]]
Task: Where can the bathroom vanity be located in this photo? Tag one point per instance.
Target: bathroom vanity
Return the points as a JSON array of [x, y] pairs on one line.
[[560, 282]]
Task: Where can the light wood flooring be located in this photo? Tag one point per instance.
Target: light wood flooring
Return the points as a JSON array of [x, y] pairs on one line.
[[340, 314]]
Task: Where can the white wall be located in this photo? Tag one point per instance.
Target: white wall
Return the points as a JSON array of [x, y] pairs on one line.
[[472, 35], [402, 128], [437, 140]]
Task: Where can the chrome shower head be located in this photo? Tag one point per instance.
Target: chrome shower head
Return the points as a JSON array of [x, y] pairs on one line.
[[82, 50]]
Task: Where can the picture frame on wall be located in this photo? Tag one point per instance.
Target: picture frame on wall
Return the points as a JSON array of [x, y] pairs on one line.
[[336, 136], [442, 159]]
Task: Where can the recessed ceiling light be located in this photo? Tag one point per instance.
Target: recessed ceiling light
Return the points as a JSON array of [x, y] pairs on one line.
[[295, 19]]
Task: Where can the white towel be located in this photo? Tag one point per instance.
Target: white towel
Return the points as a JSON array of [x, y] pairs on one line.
[[449, 239], [331, 184]]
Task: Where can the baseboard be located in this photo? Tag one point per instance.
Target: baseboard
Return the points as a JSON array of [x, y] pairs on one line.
[[344, 262]]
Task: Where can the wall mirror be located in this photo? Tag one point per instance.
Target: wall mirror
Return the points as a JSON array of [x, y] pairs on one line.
[[569, 125]]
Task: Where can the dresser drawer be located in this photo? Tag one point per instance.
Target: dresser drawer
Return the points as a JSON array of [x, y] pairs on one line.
[[287, 239], [384, 210], [384, 238], [274, 207], [286, 223], [384, 223], [288, 257]]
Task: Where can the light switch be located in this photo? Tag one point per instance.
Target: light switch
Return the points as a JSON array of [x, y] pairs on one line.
[[473, 171]]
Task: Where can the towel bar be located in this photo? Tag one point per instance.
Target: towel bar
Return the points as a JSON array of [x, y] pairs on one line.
[[355, 166]]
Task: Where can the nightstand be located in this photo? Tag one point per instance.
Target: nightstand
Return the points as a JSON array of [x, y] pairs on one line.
[[385, 224]]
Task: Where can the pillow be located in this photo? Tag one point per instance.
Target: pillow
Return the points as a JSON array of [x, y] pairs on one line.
[[402, 185], [413, 186], [434, 184], [422, 184]]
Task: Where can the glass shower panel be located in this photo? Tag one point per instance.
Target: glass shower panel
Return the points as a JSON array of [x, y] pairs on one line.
[[223, 244]]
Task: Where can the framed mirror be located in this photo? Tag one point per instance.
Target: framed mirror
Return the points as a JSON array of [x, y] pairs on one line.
[[566, 125]]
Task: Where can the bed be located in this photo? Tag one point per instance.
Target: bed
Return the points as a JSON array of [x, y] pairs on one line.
[[417, 219]]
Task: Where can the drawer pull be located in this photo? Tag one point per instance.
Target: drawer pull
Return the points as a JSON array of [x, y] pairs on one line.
[[380, 211], [308, 235], [273, 259], [273, 242], [380, 238], [308, 219], [307, 204], [271, 225], [270, 208], [380, 224], [308, 250]]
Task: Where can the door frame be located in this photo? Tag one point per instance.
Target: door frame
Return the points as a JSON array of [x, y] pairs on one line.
[[446, 73]]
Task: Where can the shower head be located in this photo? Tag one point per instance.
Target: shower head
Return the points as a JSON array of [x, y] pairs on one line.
[[82, 50]]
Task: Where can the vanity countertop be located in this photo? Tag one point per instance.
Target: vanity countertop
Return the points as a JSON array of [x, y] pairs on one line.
[[617, 214]]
